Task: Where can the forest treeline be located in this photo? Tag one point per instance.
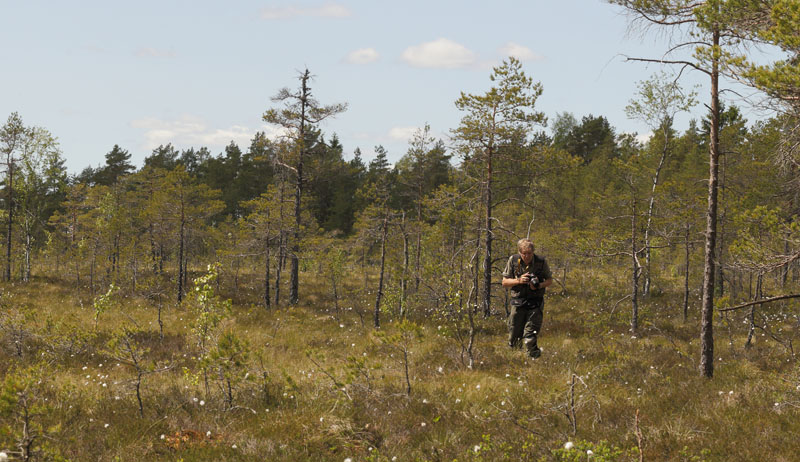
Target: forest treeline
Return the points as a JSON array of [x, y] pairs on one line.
[[584, 193], [433, 230]]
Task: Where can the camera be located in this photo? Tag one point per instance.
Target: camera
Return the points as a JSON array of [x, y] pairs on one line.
[[533, 280]]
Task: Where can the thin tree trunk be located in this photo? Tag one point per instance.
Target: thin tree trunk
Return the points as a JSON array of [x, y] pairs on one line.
[[707, 325], [139, 394], [476, 267], [10, 207], [408, 378], [487, 259], [419, 246], [471, 344], [294, 278], [646, 288], [364, 267], [686, 277], [752, 316], [134, 264], [153, 249], [294, 294], [160, 319], [181, 268], [116, 258], [281, 241], [91, 269], [720, 278], [384, 232], [281, 258], [636, 269], [403, 281], [236, 267], [266, 276], [28, 244]]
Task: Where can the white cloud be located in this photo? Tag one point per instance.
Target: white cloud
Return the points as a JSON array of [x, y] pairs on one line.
[[441, 53], [518, 51], [362, 56], [329, 10], [403, 133], [154, 53], [644, 137], [194, 131]]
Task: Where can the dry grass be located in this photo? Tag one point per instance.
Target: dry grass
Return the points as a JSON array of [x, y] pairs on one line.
[[587, 387]]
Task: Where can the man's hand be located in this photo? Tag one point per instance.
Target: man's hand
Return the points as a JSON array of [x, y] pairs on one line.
[[525, 279]]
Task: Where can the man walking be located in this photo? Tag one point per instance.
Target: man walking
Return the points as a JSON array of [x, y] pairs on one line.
[[527, 275]]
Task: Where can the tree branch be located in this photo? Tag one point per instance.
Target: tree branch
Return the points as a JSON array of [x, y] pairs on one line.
[[667, 61], [760, 302]]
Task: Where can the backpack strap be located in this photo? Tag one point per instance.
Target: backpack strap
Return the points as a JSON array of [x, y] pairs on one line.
[[516, 263]]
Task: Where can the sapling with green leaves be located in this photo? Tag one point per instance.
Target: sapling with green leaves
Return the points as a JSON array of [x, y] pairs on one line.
[[103, 303], [335, 261], [658, 100], [229, 359], [458, 320], [408, 333], [359, 372], [209, 311], [23, 409]]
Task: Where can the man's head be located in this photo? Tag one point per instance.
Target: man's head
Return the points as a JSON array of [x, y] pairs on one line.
[[525, 247]]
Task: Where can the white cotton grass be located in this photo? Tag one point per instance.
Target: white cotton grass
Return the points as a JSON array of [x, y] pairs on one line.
[[3, 455], [568, 445]]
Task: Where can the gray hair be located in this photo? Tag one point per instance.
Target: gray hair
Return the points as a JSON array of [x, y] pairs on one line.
[[525, 243]]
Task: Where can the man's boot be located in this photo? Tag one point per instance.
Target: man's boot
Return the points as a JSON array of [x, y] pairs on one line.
[[533, 349]]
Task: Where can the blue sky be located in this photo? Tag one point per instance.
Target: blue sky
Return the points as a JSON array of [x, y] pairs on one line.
[[201, 73]]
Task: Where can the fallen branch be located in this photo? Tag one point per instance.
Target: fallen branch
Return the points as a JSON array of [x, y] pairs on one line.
[[759, 302], [617, 304]]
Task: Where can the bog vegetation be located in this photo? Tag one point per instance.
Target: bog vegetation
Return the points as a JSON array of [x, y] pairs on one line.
[[291, 302]]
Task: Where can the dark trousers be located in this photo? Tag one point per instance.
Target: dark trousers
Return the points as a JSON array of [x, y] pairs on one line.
[[525, 323]]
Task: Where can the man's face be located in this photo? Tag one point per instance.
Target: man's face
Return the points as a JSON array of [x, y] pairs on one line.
[[527, 255]]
